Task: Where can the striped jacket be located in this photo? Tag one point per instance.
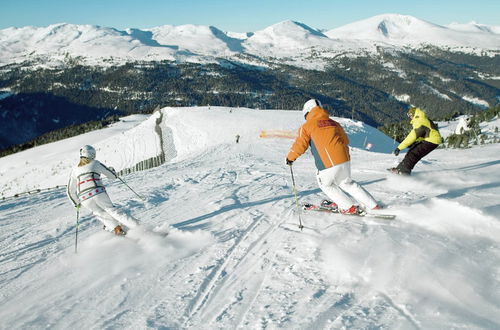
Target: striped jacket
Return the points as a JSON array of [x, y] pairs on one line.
[[327, 139], [85, 181]]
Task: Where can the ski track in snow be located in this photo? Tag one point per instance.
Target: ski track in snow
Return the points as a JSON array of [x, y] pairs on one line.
[[235, 258]]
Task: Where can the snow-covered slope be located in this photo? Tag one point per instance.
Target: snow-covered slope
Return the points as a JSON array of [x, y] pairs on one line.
[[235, 257], [59, 43], [121, 145], [133, 139]]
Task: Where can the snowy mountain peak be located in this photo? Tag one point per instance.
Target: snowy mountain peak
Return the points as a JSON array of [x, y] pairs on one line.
[[401, 20], [285, 38], [288, 27], [200, 39], [407, 30], [382, 27], [394, 25], [475, 27]]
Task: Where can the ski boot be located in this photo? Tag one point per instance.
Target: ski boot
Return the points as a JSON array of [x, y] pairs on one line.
[[330, 205], [309, 207], [353, 210], [119, 231]]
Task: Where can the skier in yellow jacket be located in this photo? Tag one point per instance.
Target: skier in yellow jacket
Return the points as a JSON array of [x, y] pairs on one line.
[[423, 138], [330, 148]]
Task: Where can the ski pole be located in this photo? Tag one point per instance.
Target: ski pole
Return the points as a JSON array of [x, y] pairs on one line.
[[131, 189], [296, 198], [77, 225]]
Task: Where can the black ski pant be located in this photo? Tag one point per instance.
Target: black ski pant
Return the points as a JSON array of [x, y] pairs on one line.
[[417, 151]]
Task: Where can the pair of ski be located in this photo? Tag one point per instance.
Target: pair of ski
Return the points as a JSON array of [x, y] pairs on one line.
[[335, 210], [143, 233]]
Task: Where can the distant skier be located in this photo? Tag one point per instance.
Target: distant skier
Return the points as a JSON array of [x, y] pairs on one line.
[[237, 138], [330, 148], [462, 132], [85, 187], [423, 138], [463, 125]]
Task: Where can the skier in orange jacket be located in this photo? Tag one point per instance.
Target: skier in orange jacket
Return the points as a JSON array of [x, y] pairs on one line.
[[330, 148]]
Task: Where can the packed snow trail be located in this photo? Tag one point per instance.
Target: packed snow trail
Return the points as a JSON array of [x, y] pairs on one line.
[[235, 257]]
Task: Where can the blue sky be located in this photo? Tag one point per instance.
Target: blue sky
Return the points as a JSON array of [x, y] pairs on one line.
[[238, 15]]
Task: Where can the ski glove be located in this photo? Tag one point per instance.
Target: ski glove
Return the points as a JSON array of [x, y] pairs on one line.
[[396, 151], [289, 162], [113, 171]]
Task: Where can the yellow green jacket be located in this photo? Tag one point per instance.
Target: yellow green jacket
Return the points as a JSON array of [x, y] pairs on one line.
[[424, 129]]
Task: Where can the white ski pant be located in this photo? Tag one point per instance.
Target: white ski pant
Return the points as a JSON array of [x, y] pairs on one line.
[[102, 207], [337, 184]]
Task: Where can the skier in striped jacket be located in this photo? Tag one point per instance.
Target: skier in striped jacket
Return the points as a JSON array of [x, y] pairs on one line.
[[85, 187]]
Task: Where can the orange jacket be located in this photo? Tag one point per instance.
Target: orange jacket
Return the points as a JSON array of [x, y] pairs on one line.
[[328, 141]]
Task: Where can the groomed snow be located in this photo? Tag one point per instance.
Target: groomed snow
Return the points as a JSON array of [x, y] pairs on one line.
[[235, 257]]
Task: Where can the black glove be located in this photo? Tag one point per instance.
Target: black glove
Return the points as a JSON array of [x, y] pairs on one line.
[[289, 162], [396, 151]]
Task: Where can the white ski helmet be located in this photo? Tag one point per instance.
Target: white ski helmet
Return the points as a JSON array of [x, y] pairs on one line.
[[87, 152], [309, 105]]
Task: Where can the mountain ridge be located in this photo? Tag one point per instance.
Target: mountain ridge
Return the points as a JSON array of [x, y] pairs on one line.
[[200, 43]]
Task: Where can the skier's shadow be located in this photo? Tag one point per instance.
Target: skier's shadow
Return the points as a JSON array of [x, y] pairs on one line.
[[455, 193], [465, 168], [236, 206], [477, 166]]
